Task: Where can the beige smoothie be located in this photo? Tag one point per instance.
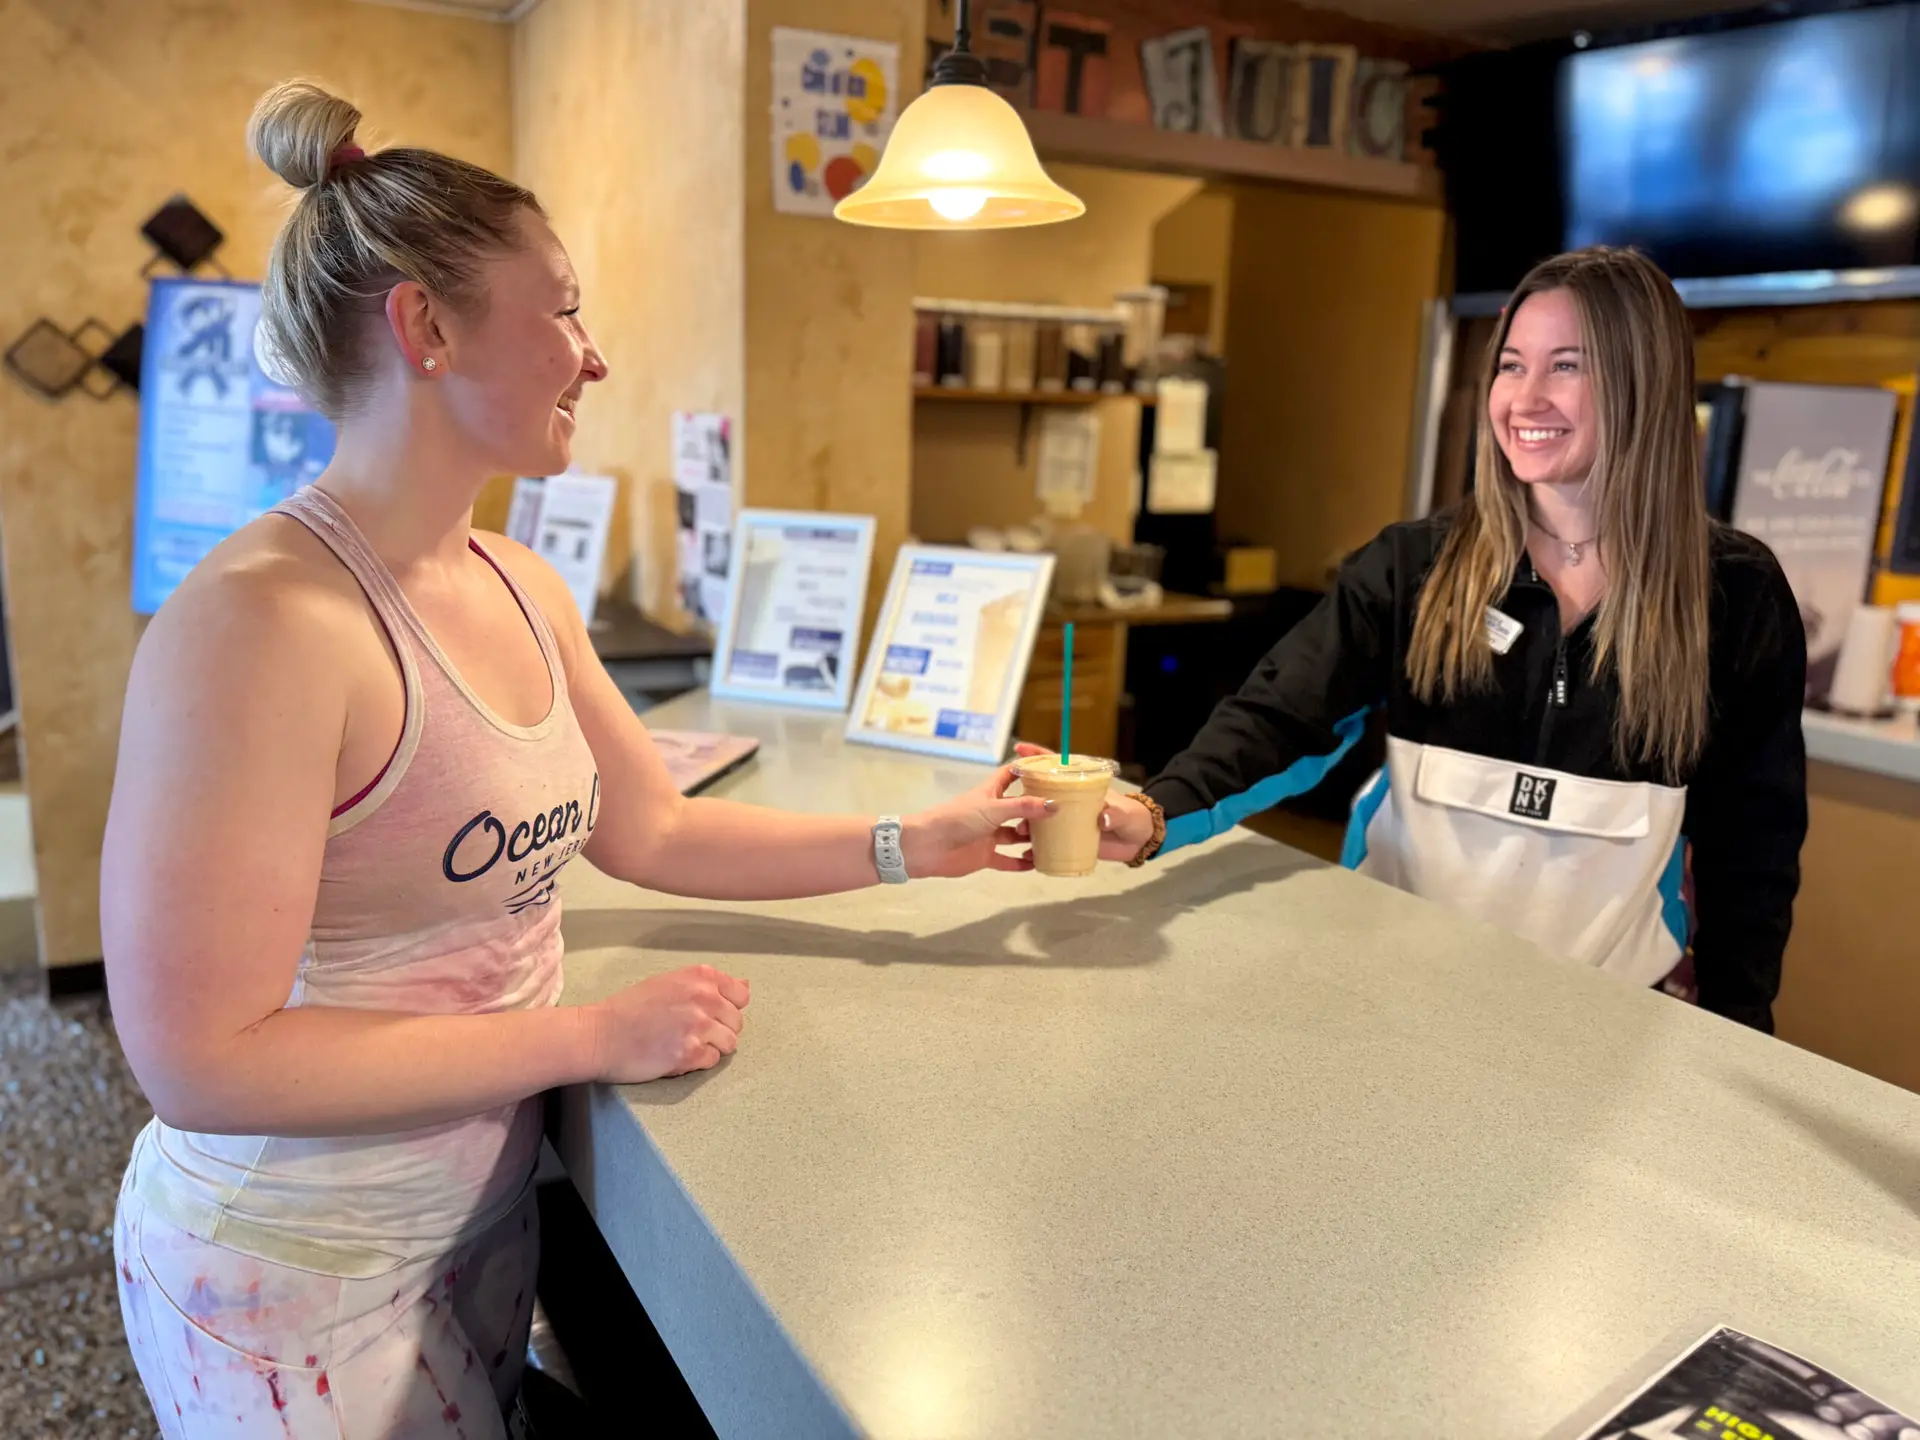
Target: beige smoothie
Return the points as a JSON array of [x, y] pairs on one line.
[[1067, 842]]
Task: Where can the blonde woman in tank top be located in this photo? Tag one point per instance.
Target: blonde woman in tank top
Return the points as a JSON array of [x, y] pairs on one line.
[[360, 744]]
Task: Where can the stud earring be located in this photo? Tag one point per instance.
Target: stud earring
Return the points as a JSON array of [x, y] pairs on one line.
[[429, 363]]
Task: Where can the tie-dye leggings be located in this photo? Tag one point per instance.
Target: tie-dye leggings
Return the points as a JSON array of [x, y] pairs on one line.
[[231, 1346]]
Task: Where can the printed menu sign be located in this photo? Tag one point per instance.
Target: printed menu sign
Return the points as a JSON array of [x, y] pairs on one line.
[[221, 440], [792, 621], [950, 655], [1731, 1386], [1813, 464]]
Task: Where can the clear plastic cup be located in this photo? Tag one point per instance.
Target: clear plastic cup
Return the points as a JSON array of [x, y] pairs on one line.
[[1067, 842]]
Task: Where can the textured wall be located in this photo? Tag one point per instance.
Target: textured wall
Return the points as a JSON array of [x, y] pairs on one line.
[[1193, 245], [1322, 359], [966, 469], [627, 122], [829, 314], [112, 106]]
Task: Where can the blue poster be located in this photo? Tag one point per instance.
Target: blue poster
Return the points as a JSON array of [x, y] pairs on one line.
[[220, 442]]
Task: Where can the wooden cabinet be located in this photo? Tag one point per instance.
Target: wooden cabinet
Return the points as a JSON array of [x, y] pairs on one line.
[[1099, 669]]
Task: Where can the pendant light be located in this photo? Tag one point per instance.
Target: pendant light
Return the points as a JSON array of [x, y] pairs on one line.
[[959, 159]]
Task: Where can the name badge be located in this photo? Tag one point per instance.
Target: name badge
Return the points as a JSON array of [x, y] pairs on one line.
[[1502, 631]]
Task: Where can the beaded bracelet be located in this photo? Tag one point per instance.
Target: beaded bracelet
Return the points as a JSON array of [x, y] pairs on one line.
[[1159, 836]]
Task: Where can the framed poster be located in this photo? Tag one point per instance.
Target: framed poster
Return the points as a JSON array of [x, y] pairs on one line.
[[220, 441], [946, 662], [791, 625]]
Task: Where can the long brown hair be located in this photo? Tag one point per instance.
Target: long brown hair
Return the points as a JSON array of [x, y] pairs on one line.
[[1651, 627]]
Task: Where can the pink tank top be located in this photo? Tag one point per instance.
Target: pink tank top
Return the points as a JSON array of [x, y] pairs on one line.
[[437, 895]]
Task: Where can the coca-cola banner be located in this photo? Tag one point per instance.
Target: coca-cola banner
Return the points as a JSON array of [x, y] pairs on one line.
[[1813, 464]]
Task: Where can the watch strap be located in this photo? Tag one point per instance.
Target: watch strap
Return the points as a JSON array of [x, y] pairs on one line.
[[888, 858]]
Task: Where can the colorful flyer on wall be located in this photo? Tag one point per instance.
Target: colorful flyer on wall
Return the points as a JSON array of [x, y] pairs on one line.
[[833, 108], [791, 628], [703, 486], [1730, 1386], [945, 666], [220, 441]]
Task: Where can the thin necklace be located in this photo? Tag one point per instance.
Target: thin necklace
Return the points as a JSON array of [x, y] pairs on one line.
[[1575, 548]]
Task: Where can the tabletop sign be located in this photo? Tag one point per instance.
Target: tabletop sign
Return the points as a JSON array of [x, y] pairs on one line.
[[944, 668], [791, 626]]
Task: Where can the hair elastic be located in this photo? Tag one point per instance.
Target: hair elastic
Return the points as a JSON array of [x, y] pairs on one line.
[[345, 155]]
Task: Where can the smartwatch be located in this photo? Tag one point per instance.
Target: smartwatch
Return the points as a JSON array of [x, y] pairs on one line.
[[887, 857]]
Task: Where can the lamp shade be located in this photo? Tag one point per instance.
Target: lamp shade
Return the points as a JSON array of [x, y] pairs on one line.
[[959, 159]]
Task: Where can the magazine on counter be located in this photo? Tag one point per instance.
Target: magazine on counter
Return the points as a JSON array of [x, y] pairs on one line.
[[1730, 1386], [696, 759]]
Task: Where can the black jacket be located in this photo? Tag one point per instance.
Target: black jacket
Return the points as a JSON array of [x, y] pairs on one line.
[[1546, 723]]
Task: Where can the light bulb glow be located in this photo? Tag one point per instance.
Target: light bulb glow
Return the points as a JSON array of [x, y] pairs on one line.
[[956, 165], [958, 158], [958, 204], [1879, 207]]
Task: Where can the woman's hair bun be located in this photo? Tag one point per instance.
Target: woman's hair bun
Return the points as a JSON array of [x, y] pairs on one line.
[[296, 128]]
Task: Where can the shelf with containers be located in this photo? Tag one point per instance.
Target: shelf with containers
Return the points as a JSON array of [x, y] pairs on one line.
[[991, 351], [984, 354]]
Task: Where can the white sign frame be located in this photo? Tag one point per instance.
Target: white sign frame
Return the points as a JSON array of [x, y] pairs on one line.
[[720, 685], [1039, 572]]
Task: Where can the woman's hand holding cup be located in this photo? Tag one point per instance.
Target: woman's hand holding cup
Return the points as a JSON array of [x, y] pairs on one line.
[[1125, 824]]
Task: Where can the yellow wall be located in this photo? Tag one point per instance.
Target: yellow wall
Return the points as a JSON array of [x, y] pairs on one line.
[[645, 197], [1193, 245], [829, 313], [965, 470], [111, 107], [1852, 978], [1322, 361]]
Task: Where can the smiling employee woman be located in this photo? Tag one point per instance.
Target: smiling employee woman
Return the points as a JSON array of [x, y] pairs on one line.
[[1583, 678], [360, 744]]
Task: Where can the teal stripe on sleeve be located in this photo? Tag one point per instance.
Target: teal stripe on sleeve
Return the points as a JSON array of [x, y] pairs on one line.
[[1354, 852], [1673, 899], [1297, 779]]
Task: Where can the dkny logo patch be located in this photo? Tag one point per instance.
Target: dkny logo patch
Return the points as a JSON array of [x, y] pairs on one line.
[[1532, 797]]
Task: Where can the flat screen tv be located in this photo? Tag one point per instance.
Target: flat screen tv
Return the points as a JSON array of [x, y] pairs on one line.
[[1782, 147], [1743, 144]]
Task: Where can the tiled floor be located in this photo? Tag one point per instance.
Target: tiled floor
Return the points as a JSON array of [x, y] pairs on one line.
[[68, 1112]]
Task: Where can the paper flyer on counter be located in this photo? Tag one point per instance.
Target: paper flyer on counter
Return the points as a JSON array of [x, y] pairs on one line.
[[952, 650], [703, 482], [1731, 1386], [798, 592], [570, 532], [697, 758]]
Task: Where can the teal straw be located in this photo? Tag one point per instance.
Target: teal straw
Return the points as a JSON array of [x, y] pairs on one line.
[[1066, 704]]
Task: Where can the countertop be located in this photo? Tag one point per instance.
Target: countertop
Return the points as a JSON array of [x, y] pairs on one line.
[[620, 632], [1173, 609], [1886, 747], [1237, 1144]]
